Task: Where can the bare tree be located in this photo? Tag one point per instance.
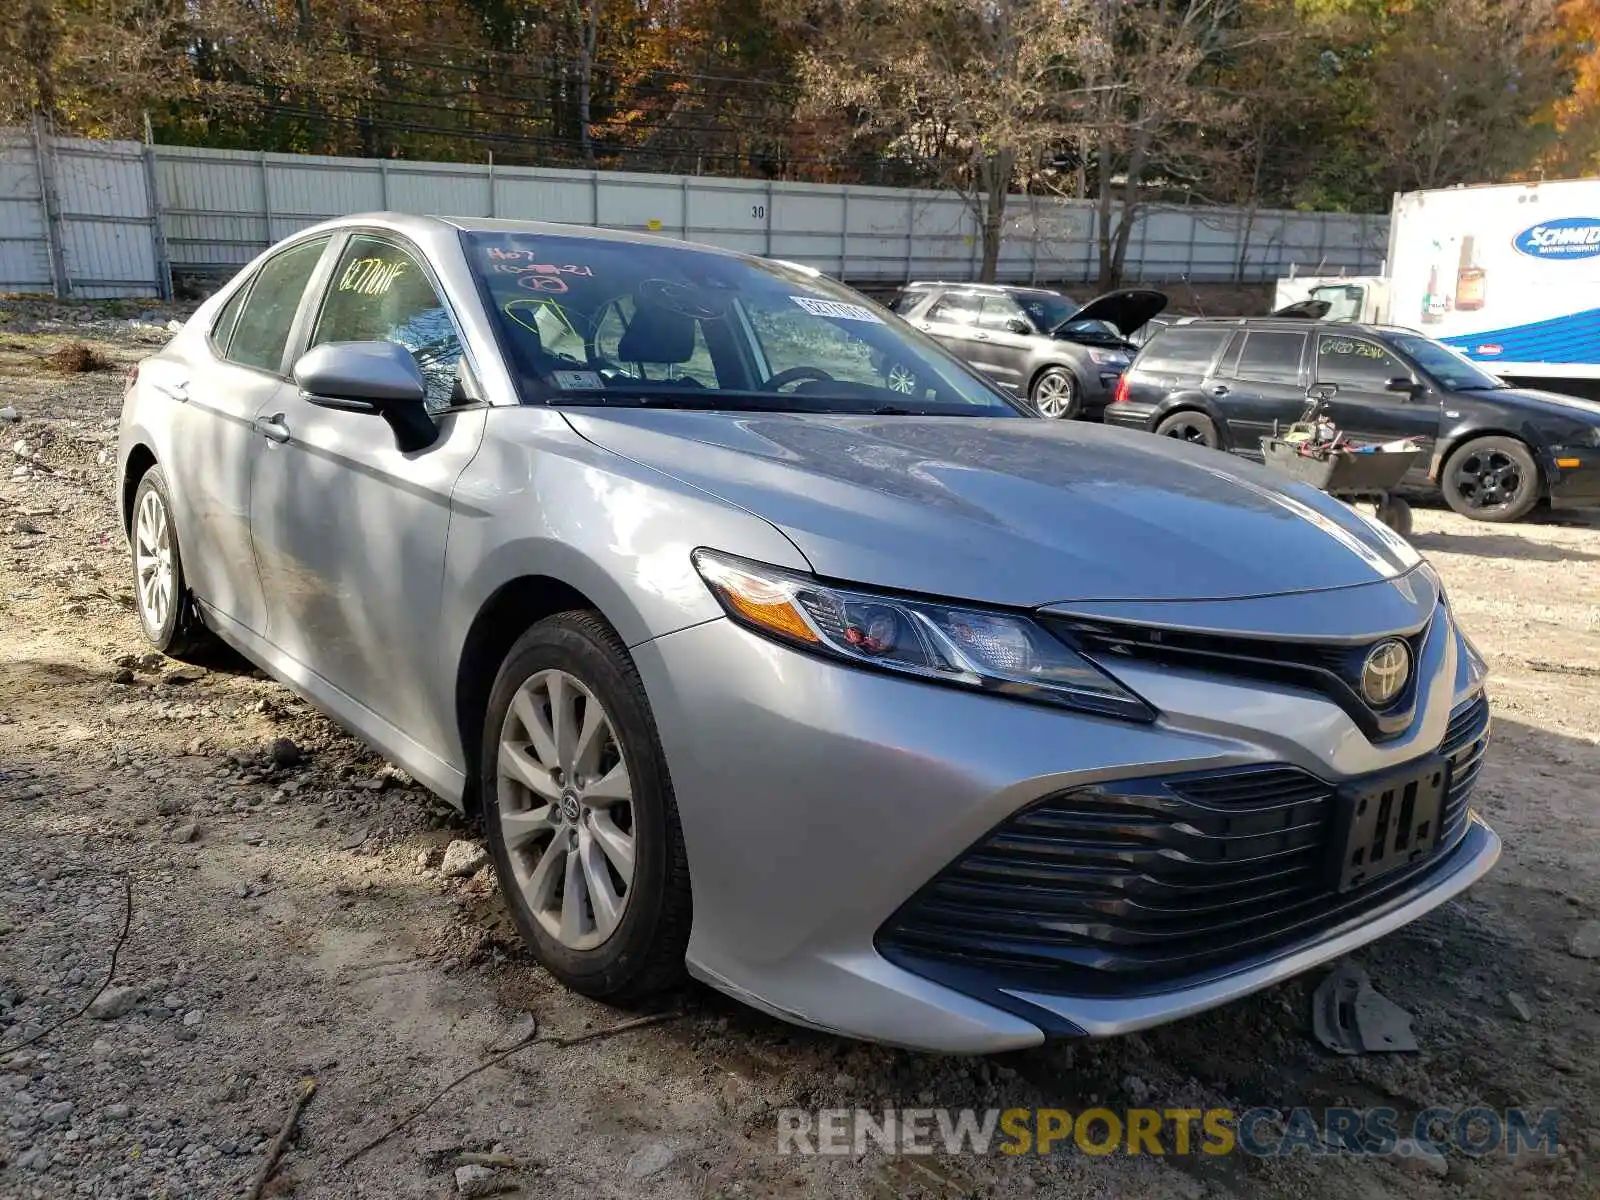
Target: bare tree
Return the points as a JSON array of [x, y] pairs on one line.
[[1149, 108], [976, 92]]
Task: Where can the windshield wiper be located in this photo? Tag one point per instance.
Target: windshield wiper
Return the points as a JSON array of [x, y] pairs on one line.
[[1483, 387]]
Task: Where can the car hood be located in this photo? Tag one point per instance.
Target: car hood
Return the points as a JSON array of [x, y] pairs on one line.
[[1018, 512], [1128, 310], [1552, 404]]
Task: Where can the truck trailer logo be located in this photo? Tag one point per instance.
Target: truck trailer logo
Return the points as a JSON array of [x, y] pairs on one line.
[[1568, 237]]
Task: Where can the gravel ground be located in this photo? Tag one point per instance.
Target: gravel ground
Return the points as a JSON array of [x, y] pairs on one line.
[[296, 908]]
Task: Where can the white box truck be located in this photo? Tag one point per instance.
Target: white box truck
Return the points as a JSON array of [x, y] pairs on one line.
[[1508, 274]]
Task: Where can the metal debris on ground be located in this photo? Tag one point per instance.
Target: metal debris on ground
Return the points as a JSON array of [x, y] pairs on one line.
[[1350, 1017]]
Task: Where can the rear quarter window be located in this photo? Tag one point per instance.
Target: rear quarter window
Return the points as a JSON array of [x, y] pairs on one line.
[[1182, 351]]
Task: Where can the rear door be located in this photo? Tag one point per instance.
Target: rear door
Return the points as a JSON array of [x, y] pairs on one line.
[[214, 438], [1261, 385], [1363, 407]]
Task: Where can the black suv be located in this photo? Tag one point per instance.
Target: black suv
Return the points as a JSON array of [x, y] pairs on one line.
[[1494, 451], [1063, 356]]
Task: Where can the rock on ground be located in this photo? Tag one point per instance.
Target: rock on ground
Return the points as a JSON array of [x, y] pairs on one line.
[[462, 858]]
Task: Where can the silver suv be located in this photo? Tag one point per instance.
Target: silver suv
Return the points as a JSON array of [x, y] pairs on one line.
[[769, 641]]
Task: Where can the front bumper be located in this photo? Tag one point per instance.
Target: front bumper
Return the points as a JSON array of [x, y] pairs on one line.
[[1574, 477], [816, 799]]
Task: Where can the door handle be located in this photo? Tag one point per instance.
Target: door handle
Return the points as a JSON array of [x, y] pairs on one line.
[[1220, 389], [980, 337], [175, 391], [272, 428]]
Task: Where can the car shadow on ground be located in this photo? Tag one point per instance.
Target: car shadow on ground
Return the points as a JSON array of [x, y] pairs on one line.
[[1499, 545]]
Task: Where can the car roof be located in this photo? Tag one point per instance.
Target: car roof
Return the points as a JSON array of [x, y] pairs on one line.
[[1293, 324], [1008, 289], [425, 226]]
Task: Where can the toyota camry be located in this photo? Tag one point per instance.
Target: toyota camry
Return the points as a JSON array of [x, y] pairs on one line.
[[772, 644]]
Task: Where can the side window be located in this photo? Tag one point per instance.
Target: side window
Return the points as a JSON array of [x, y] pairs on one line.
[[1179, 350], [262, 328], [999, 311], [1271, 357], [1344, 302], [1356, 363], [909, 299], [955, 309], [379, 292], [222, 329]]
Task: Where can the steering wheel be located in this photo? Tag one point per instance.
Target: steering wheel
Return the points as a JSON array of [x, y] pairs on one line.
[[796, 375]]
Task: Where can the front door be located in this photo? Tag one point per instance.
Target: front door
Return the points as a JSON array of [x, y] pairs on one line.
[[953, 321], [215, 400], [1364, 408], [1008, 337], [350, 530], [1260, 386]]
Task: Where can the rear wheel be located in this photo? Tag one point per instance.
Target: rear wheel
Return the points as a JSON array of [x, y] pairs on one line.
[[161, 593], [1190, 426], [1055, 393], [1491, 479], [580, 816]]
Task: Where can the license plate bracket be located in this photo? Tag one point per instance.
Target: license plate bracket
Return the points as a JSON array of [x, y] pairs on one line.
[[1391, 822]]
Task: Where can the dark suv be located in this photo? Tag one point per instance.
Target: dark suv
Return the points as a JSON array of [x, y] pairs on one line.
[[1495, 451], [1063, 356]]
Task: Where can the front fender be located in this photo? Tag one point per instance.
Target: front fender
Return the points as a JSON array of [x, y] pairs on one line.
[[541, 501]]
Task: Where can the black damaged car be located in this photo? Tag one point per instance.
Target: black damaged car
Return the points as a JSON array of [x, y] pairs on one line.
[[1494, 451]]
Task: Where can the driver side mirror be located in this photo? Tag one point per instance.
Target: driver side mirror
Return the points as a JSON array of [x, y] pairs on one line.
[[1018, 325], [1403, 383], [1322, 391], [379, 378]]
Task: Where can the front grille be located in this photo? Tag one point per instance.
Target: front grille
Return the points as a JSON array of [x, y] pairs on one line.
[[1109, 887], [1334, 670]]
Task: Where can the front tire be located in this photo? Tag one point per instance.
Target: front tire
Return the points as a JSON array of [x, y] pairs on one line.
[[1055, 394], [160, 591], [1491, 479], [1190, 426], [581, 820]]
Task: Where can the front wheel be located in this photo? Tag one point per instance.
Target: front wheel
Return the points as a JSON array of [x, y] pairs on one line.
[[580, 816], [1190, 426], [1055, 394], [161, 593], [1491, 479]]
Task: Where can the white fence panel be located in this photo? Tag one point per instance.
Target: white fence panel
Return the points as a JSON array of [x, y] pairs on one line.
[[219, 208], [24, 229]]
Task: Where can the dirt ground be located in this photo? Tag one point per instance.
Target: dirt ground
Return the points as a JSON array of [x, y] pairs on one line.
[[289, 919]]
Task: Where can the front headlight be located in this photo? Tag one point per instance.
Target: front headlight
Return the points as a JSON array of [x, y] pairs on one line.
[[989, 651], [1108, 358]]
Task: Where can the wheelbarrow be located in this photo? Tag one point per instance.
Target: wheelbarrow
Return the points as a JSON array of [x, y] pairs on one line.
[[1313, 451]]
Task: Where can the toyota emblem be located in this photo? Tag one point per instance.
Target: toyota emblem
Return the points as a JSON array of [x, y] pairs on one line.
[[1384, 673]]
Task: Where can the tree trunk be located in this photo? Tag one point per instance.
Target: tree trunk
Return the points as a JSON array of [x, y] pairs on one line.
[[994, 178], [1103, 232], [591, 35]]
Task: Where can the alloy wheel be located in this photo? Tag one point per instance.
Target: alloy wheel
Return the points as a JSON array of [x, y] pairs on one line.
[[1187, 431], [1053, 395], [1488, 479], [566, 809], [901, 379], [152, 560]]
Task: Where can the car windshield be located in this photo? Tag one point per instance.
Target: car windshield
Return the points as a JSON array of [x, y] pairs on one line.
[[1046, 309], [1445, 364], [593, 321]]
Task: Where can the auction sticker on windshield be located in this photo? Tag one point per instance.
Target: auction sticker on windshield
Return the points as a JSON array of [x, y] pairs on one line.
[[837, 309], [578, 381]]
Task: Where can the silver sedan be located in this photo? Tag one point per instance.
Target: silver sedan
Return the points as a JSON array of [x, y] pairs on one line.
[[770, 642]]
